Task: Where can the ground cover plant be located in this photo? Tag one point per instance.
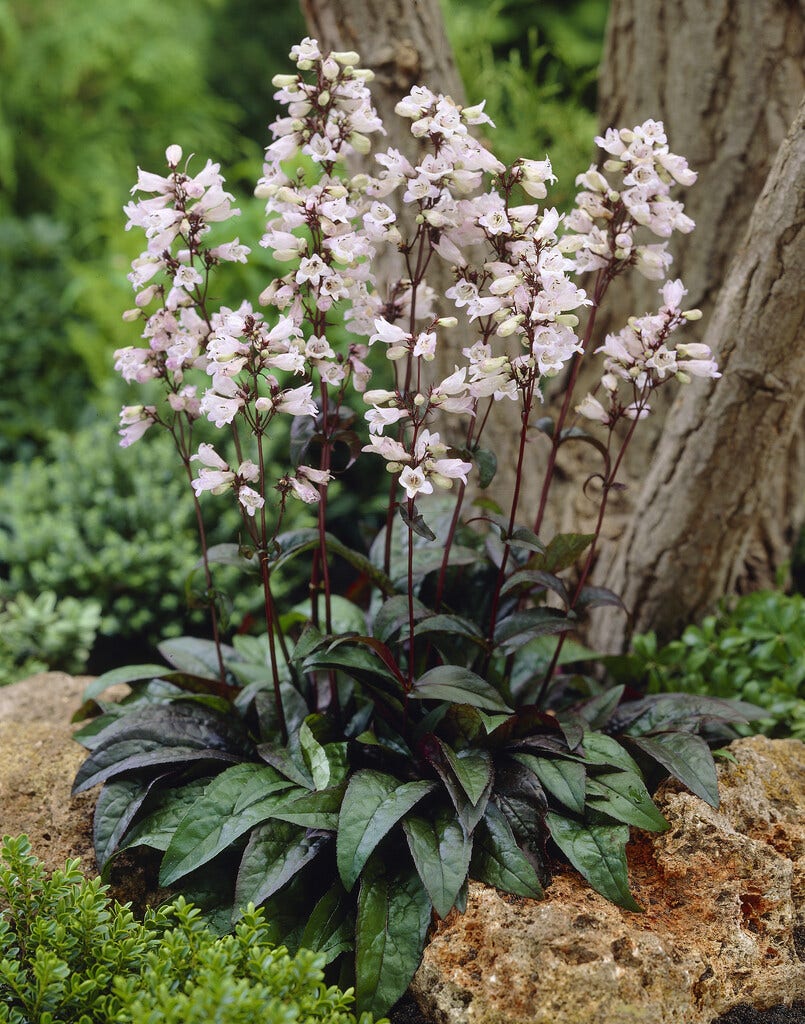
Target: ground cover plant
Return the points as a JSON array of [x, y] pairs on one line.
[[383, 742], [70, 955], [753, 648]]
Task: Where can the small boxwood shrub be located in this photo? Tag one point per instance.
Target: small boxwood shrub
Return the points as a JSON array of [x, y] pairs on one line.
[[69, 955], [42, 633], [92, 520]]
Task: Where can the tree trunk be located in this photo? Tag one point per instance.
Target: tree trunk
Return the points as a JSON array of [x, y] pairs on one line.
[[726, 77], [721, 486]]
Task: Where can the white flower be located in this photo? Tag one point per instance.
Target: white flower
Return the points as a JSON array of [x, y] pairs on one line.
[[415, 482]]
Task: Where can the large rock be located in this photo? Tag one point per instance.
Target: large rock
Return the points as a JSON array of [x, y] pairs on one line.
[[38, 762], [724, 919]]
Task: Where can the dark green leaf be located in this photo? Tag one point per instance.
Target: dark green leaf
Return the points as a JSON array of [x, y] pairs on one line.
[[416, 522], [519, 794], [455, 624], [312, 810], [520, 627], [562, 552], [522, 537], [127, 674], [597, 710], [487, 464], [232, 804], [468, 813], [497, 859], [118, 803], [679, 712], [373, 803], [529, 579], [441, 851], [687, 757], [598, 852], [472, 768], [563, 779], [393, 615], [288, 762], [393, 919], [193, 656], [598, 597], [166, 811], [601, 749], [134, 754], [460, 686], [330, 930], [623, 796], [276, 851]]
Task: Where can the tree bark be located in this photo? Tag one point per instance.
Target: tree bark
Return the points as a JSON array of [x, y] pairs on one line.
[[726, 77], [721, 485]]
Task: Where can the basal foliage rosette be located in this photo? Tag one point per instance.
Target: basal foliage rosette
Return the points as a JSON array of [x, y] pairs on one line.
[[355, 765]]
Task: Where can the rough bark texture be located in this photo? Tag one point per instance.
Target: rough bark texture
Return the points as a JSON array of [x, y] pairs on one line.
[[726, 77], [721, 485]]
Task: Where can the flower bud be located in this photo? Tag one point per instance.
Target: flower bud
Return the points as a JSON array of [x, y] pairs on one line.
[[419, 400], [509, 326], [378, 396], [365, 74], [692, 314], [289, 195], [329, 68], [694, 350], [613, 196], [359, 182], [447, 321], [173, 154], [614, 165], [394, 467], [346, 56], [131, 314], [360, 143], [304, 65], [567, 320], [396, 352], [683, 378], [283, 81]]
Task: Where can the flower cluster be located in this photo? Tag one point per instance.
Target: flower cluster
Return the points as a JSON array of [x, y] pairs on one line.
[[512, 265], [606, 219], [639, 358]]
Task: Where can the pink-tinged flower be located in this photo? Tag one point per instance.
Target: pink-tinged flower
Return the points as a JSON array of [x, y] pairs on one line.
[[379, 419], [448, 469], [388, 333], [250, 500], [415, 482], [591, 409], [135, 420], [297, 401], [388, 448]]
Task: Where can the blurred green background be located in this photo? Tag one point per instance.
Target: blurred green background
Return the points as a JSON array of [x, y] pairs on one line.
[[96, 543]]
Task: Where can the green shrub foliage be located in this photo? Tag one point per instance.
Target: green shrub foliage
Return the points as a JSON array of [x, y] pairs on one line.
[[91, 521], [70, 955], [42, 633], [753, 648]]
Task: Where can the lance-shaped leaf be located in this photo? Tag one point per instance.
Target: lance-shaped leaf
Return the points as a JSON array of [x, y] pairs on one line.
[[441, 851], [232, 804], [469, 813], [312, 810], [126, 674], [497, 859], [288, 762], [472, 768], [518, 628], [393, 615], [563, 779], [330, 929], [563, 551], [536, 579], [194, 656], [130, 755], [687, 757], [623, 796], [276, 851], [166, 810], [373, 803], [458, 686], [454, 624], [601, 749], [392, 923], [598, 852], [115, 810], [679, 712]]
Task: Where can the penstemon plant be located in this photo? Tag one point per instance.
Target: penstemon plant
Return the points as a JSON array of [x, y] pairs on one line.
[[354, 766]]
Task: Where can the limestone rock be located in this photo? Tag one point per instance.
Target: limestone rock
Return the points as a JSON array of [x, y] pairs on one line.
[[724, 919]]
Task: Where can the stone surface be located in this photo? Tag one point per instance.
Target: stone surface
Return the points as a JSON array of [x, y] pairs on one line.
[[724, 919], [38, 762]]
